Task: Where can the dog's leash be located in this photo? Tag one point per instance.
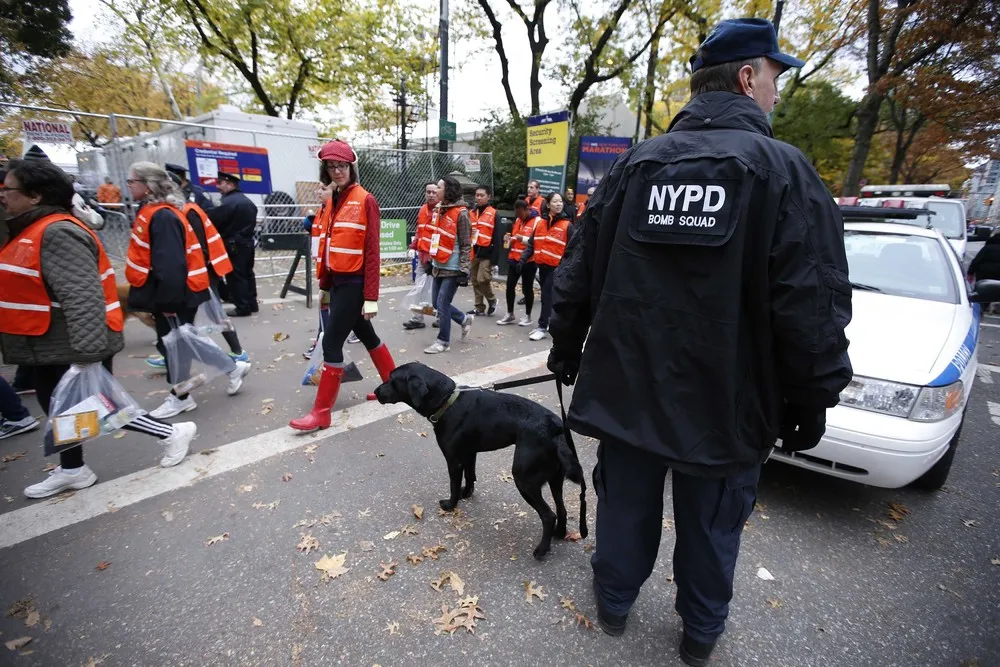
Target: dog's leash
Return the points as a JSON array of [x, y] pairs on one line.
[[538, 379]]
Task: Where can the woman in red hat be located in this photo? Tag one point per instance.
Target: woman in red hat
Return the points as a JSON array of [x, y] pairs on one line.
[[349, 265]]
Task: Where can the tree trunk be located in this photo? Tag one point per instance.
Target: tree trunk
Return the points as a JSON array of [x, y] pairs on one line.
[[168, 90], [649, 94], [904, 140], [502, 53], [867, 123]]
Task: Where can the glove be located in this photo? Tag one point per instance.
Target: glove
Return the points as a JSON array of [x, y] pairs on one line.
[[463, 280], [801, 428], [411, 254], [565, 367]]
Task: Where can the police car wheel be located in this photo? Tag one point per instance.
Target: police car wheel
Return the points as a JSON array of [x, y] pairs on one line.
[[935, 478]]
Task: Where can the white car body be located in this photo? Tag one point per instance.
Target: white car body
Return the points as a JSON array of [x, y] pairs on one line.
[[901, 339], [958, 239]]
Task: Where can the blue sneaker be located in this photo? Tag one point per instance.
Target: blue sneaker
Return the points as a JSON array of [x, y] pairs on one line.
[[242, 356], [156, 361]]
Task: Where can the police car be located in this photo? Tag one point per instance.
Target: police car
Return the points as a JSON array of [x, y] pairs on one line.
[[914, 335]]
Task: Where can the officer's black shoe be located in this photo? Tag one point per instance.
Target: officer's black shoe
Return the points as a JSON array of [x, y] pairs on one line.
[[413, 324], [612, 624], [695, 653], [436, 324], [237, 312]]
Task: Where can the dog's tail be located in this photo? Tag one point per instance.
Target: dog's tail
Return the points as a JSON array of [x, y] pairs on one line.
[[574, 473]]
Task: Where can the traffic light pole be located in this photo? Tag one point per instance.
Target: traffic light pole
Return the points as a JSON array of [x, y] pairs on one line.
[[443, 143]]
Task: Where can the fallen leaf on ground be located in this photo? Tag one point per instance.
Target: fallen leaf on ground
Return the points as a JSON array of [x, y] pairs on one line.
[[392, 627], [995, 561], [266, 410], [49, 468], [246, 488], [332, 566], [432, 552], [266, 506], [414, 559], [366, 545], [103, 565], [902, 539], [311, 449], [465, 616], [391, 535], [364, 513], [882, 541], [286, 477], [307, 544], [898, 512], [217, 539], [167, 515], [533, 591], [388, 569], [111, 507], [581, 619], [15, 644], [278, 337], [257, 622], [573, 537], [410, 530], [452, 579], [970, 523], [567, 604], [774, 602], [762, 573], [13, 457], [667, 523], [20, 608], [418, 512], [9, 499], [33, 618]]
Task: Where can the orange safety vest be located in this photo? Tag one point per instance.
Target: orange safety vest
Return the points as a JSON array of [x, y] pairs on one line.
[[138, 261], [482, 225], [318, 231], [523, 229], [579, 211], [345, 250], [25, 304], [550, 241], [215, 253], [425, 221], [536, 203], [444, 233]]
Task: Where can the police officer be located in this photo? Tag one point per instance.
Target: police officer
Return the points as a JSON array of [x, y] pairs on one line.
[[193, 193], [711, 274], [235, 218]]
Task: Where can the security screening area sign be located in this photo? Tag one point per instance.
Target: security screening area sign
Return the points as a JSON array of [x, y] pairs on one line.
[[206, 159], [548, 149], [46, 132]]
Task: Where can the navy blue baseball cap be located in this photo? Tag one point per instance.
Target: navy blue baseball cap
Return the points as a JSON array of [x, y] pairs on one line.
[[741, 39]]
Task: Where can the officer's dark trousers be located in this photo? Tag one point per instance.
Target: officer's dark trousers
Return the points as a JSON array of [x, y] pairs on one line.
[[241, 282], [709, 514]]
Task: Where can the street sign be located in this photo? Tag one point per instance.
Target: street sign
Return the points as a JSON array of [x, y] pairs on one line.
[[446, 130]]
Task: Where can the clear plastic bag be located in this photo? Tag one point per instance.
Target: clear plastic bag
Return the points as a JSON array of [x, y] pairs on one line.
[[311, 379], [194, 360], [211, 318], [420, 298], [86, 404]]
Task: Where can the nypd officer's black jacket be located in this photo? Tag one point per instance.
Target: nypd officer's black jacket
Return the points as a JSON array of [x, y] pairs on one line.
[[235, 218], [711, 275]]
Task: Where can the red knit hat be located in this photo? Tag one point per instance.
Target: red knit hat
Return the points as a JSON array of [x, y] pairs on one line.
[[338, 150]]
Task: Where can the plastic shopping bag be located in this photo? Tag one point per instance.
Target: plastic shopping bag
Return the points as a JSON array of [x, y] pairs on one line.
[[211, 318], [86, 404], [351, 371], [420, 298], [194, 360]]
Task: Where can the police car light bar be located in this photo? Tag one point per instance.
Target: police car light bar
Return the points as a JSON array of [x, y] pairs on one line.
[[855, 213], [928, 190]]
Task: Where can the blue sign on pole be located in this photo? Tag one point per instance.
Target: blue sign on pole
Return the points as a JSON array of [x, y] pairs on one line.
[[206, 159]]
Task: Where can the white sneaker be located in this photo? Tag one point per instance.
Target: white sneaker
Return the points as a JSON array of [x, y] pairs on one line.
[[467, 325], [437, 348], [525, 322], [353, 339], [175, 448], [236, 377], [60, 480], [506, 319], [11, 428], [538, 334], [173, 406]]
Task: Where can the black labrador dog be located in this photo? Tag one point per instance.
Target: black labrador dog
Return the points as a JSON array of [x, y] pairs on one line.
[[469, 421]]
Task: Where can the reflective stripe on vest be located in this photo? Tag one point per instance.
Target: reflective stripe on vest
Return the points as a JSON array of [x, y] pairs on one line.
[[426, 219], [482, 225], [550, 241], [139, 260], [519, 235], [216, 251], [345, 251], [25, 304], [444, 232]]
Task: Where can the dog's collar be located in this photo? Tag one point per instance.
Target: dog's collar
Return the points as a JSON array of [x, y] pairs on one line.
[[434, 418]]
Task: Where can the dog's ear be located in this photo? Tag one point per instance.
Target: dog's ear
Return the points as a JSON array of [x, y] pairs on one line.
[[417, 389]]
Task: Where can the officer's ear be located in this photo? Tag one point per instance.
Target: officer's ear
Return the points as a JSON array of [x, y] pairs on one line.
[[745, 78]]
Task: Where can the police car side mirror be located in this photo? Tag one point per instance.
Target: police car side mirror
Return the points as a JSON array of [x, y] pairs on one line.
[[986, 291]]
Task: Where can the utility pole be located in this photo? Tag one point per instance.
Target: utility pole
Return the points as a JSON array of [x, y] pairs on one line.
[[443, 143], [404, 116]]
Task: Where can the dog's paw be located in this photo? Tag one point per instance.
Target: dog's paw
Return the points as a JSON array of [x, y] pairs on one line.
[[467, 490], [447, 505], [559, 532], [540, 551]]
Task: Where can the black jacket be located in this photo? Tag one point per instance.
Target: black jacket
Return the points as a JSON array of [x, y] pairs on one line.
[[196, 194], [986, 265], [235, 218], [711, 274], [165, 289]]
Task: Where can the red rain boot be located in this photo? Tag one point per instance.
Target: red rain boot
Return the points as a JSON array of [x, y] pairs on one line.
[[326, 396], [383, 364]]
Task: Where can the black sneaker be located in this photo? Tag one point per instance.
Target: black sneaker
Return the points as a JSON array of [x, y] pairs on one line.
[[413, 324], [475, 311], [695, 653], [436, 324], [612, 624], [520, 301], [11, 428], [493, 307]]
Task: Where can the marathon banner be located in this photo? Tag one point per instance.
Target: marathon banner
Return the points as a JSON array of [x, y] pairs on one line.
[[597, 154], [46, 132], [207, 159], [548, 149]]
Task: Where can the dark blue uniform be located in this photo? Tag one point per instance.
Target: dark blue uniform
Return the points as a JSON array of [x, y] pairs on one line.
[[710, 274], [235, 219]]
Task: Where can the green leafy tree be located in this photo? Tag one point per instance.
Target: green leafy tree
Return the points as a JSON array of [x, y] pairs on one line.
[[506, 138], [30, 33]]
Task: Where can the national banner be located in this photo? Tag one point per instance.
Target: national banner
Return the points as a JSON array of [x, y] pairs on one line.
[[46, 132], [597, 154], [206, 159], [548, 148]]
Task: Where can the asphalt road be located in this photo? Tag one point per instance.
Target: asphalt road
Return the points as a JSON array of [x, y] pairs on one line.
[[852, 585]]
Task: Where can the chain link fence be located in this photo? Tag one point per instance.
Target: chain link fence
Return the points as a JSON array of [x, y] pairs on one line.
[[291, 169]]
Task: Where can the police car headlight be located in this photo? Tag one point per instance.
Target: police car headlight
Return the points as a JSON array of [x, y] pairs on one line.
[[890, 398], [937, 403]]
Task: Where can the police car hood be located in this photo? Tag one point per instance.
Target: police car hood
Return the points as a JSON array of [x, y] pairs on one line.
[[899, 338]]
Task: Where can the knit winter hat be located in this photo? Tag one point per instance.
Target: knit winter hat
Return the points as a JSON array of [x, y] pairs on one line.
[[36, 153]]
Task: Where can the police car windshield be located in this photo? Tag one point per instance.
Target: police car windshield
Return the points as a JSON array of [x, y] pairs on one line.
[[900, 265], [948, 219]]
